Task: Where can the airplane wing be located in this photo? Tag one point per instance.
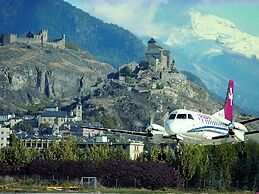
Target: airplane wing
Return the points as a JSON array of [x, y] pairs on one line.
[[251, 132], [127, 132], [227, 136], [249, 121], [221, 137], [118, 131]]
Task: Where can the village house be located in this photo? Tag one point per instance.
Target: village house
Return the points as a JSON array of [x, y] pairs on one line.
[[52, 116], [4, 116], [4, 136]]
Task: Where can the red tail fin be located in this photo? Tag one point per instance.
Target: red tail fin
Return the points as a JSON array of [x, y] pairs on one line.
[[229, 101]]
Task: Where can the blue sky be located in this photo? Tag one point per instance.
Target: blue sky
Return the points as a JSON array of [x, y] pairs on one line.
[[157, 17]]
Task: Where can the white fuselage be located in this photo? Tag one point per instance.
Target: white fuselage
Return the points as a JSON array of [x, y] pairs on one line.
[[197, 126]]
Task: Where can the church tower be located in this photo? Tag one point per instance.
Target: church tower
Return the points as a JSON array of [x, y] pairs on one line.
[[79, 111]]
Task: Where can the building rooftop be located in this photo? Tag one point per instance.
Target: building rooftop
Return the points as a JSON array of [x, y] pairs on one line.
[[151, 41], [54, 114], [52, 106], [5, 113]]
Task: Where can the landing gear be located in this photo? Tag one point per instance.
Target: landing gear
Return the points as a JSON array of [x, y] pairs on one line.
[[162, 156], [242, 154], [177, 147]]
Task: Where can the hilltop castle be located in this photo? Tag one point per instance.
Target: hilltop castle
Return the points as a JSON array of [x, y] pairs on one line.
[[158, 58], [40, 38]]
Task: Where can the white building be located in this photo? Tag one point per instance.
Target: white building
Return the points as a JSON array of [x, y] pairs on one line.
[[6, 116], [4, 136]]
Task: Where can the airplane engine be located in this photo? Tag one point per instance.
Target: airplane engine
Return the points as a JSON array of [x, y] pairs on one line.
[[237, 131], [156, 133], [157, 139]]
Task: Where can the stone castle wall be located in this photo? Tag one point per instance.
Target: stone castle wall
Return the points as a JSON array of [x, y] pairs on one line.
[[61, 43], [41, 38], [9, 38]]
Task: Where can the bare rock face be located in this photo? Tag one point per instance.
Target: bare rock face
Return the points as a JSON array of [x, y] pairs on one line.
[[29, 74]]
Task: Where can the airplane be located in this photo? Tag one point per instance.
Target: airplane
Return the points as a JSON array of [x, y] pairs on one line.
[[194, 127]]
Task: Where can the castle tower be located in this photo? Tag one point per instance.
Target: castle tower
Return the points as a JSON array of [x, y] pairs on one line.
[[151, 44], [79, 111], [44, 36]]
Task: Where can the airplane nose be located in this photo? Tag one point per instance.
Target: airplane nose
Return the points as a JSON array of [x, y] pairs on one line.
[[169, 126]]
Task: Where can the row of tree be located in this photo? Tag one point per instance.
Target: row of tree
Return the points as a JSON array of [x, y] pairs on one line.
[[110, 173], [18, 154], [227, 166]]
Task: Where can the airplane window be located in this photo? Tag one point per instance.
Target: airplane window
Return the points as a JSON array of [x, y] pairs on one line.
[[172, 116], [181, 116], [190, 116]]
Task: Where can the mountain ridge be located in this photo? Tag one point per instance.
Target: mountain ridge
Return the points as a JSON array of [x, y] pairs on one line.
[[106, 42], [222, 31], [215, 59]]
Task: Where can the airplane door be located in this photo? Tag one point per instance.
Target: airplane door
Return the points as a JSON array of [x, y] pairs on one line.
[[192, 125]]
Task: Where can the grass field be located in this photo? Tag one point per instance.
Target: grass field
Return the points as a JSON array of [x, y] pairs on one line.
[[37, 185], [22, 188]]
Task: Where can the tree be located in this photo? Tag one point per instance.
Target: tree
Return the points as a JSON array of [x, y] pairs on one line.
[[192, 160], [17, 153], [101, 153], [64, 150], [228, 155], [119, 153], [97, 153], [155, 152], [24, 126], [108, 121]]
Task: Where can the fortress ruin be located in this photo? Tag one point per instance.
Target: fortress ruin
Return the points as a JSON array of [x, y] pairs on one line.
[[40, 38]]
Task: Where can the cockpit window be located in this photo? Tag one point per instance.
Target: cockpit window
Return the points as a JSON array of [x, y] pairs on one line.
[[181, 116], [172, 116], [190, 116]]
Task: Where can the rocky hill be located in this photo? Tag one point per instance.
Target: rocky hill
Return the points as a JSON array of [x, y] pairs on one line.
[[134, 96], [132, 99], [106, 42], [30, 74]]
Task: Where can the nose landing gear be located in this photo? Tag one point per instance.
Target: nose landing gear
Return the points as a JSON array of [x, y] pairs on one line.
[[242, 154], [162, 156]]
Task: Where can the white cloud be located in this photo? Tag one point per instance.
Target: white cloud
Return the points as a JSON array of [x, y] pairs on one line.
[[138, 16]]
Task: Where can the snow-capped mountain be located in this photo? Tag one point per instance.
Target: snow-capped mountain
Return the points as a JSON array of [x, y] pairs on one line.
[[216, 50], [222, 31]]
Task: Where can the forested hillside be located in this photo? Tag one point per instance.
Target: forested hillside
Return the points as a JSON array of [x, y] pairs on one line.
[[106, 42]]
